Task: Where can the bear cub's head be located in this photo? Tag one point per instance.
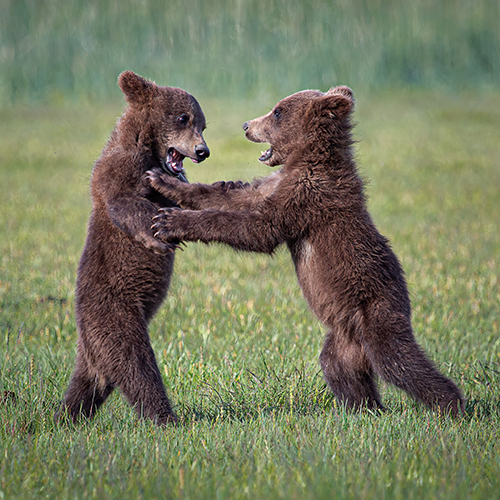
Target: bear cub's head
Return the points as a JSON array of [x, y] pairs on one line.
[[166, 120], [298, 120]]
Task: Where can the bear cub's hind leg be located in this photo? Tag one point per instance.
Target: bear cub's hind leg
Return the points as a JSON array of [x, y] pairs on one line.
[[348, 373], [398, 359], [86, 392]]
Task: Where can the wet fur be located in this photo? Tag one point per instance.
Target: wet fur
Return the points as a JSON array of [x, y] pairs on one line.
[[315, 204]]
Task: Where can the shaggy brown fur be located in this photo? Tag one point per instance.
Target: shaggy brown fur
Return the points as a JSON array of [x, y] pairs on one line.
[[124, 272], [348, 273]]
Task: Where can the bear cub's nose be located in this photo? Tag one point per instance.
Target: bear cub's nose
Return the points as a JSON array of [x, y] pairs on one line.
[[202, 152]]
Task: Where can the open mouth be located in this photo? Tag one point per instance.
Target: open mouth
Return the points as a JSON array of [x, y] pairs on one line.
[[266, 155], [173, 166]]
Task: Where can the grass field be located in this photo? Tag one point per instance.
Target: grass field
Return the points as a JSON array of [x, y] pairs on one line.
[[235, 340]]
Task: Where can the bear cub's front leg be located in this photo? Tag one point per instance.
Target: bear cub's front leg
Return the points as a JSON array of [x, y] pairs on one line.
[[193, 196]]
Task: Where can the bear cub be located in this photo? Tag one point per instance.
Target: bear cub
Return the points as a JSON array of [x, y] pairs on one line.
[[124, 272], [316, 205]]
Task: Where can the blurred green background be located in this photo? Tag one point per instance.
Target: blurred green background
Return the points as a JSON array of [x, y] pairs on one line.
[[55, 50]]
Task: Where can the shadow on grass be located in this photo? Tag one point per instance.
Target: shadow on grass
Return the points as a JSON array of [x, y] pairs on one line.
[[482, 409], [301, 393]]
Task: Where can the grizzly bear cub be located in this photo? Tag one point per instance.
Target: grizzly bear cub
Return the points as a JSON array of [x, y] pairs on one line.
[[348, 273], [124, 272]]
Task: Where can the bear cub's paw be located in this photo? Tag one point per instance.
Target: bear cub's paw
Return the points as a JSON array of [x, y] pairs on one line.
[[162, 182], [151, 243], [226, 186], [168, 225]]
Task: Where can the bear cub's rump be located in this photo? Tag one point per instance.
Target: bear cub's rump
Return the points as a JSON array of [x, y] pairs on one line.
[[124, 272], [348, 273]]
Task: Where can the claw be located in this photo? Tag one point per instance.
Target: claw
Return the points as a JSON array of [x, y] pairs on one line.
[[151, 175]]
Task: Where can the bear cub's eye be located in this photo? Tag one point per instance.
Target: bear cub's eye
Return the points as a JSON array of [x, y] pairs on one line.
[[183, 119], [277, 113]]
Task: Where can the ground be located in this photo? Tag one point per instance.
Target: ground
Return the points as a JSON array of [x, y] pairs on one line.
[[432, 161]]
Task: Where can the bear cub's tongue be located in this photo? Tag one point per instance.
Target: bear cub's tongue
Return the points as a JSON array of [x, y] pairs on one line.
[[265, 155], [174, 160], [173, 164]]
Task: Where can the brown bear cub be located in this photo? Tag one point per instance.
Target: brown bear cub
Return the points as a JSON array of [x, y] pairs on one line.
[[124, 272], [348, 273]]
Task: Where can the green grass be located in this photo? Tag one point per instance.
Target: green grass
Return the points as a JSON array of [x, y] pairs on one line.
[[235, 340]]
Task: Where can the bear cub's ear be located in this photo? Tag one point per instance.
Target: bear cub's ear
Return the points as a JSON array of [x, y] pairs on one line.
[[338, 101], [342, 89], [136, 88]]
